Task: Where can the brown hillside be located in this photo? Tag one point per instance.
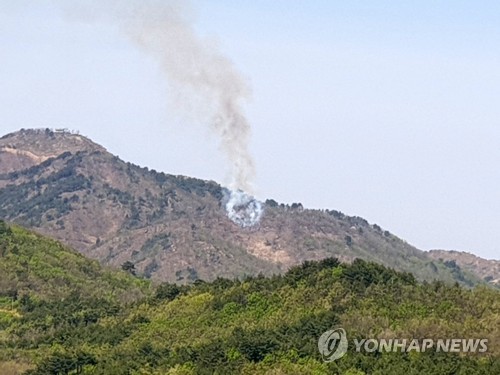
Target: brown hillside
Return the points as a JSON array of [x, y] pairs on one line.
[[487, 269], [173, 227]]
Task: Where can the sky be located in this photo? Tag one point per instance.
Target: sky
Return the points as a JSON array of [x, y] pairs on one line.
[[380, 109]]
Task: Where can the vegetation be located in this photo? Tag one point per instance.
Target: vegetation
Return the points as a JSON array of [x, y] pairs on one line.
[[175, 228], [488, 270], [48, 291], [63, 314]]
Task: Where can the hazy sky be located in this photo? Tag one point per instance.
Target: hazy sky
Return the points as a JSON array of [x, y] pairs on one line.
[[382, 109]]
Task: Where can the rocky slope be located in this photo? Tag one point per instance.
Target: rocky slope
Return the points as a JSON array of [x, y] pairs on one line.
[[175, 228], [27, 148], [487, 269]]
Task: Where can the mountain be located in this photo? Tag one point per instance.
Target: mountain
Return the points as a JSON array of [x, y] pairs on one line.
[[65, 314], [487, 269], [175, 228], [28, 148]]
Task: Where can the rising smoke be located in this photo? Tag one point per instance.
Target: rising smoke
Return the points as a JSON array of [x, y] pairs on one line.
[[200, 72], [242, 208]]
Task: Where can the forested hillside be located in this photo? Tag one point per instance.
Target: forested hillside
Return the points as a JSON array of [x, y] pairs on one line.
[[175, 228], [62, 314], [45, 288]]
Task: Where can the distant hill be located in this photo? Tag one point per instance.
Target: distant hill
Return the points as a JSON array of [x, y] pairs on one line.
[[175, 228], [487, 269]]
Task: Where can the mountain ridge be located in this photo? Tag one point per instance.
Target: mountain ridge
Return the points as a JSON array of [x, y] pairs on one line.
[[175, 228], [19, 150]]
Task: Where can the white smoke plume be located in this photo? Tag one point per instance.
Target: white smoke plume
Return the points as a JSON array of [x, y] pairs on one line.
[[200, 72], [242, 208]]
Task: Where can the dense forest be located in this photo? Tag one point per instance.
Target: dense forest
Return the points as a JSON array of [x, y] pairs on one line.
[[61, 313]]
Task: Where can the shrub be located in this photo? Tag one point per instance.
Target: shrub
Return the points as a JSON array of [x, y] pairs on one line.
[[4, 228]]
